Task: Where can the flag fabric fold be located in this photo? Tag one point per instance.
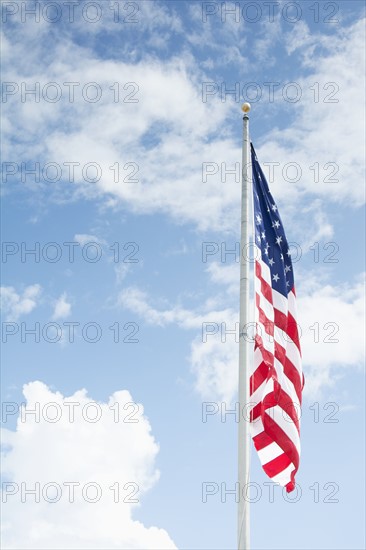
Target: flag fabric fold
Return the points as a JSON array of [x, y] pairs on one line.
[[276, 379]]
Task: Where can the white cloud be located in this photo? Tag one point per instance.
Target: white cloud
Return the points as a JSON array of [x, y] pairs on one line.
[[14, 305], [225, 42], [121, 272], [227, 275], [334, 344], [213, 361], [178, 250], [327, 129], [137, 301], [113, 450], [214, 356], [322, 229], [332, 312], [84, 238], [170, 132], [62, 308], [336, 340]]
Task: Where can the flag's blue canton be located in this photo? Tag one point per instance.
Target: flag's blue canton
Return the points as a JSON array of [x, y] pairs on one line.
[[269, 234]]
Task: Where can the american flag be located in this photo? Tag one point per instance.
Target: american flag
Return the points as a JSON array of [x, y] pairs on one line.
[[276, 380]]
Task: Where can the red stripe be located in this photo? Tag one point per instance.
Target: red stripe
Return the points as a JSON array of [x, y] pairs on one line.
[[288, 325], [256, 412], [266, 355], [263, 319], [283, 400], [266, 289], [293, 374], [282, 440], [280, 353], [277, 465], [262, 440], [289, 369], [258, 377], [280, 319], [293, 332]]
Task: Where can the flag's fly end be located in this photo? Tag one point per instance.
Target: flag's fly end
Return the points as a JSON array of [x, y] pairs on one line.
[[290, 486]]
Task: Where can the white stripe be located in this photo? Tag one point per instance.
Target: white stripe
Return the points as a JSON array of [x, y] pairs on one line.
[[267, 339], [278, 416], [256, 428], [263, 390], [266, 306], [291, 349], [258, 253], [279, 369], [292, 304], [257, 360], [265, 272], [284, 477], [280, 302], [285, 382], [288, 387], [269, 453], [257, 396]]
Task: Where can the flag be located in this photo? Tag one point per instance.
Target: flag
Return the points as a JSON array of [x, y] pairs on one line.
[[276, 378]]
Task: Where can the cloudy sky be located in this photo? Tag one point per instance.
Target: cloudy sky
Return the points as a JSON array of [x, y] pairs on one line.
[[121, 144]]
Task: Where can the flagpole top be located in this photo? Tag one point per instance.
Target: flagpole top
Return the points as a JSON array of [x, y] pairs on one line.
[[245, 108]]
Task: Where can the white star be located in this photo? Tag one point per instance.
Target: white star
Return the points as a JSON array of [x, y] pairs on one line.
[[258, 218], [271, 261], [266, 251], [276, 224], [275, 277], [288, 252], [287, 283], [279, 240], [263, 235], [268, 210], [274, 207], [287, 268], [281, 256], [258, 238]]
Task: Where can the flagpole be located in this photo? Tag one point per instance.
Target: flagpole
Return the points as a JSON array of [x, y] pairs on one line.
[[244, 344]]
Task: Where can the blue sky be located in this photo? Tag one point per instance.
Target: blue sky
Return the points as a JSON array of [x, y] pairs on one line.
[[132, 215]]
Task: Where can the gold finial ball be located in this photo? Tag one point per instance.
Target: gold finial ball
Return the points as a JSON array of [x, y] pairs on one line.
[[245, 107]]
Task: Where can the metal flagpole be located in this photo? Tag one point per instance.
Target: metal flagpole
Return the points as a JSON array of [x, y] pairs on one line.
[[244, 344]]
